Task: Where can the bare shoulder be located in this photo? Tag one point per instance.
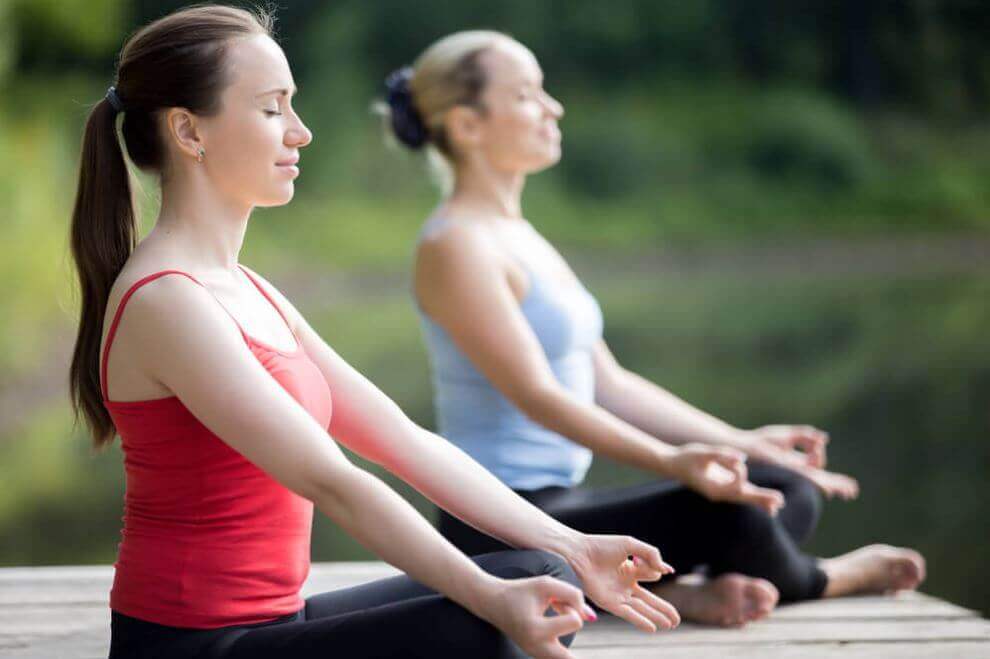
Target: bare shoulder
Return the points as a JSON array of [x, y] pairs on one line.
[[455, 244], [153, 306], [453, 257], [162, 291]]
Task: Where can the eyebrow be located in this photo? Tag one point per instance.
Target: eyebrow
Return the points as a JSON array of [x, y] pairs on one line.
[[281, 90]]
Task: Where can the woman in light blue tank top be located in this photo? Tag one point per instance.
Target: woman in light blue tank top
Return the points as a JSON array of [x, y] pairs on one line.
[[473, 414], [524, 382]]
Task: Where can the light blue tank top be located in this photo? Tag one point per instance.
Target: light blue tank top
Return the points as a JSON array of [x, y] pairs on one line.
[[475, 416]]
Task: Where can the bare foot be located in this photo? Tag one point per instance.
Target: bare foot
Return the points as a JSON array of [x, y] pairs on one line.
[[730, 600], [873, 569]]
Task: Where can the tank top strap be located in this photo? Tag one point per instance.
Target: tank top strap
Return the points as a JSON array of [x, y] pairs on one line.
[[268, 297], [123, 303]]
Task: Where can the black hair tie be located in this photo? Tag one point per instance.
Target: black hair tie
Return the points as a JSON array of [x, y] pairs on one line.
[[114, 100], [406, 121]]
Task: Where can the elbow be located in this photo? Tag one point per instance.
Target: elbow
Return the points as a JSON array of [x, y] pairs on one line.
[[337, 493], [540, 402], [609, 388]]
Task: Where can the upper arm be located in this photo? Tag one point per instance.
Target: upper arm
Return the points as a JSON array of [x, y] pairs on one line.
[[607, 369], [461, 285], [201, 357], [364, 418]]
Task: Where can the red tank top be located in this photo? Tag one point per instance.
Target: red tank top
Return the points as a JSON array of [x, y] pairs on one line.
[[209, 539]]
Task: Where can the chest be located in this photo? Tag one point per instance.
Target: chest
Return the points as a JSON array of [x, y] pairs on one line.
[[563, 314]]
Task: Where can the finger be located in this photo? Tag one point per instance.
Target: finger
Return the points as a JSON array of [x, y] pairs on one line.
[[635, 618], [555, 590], [658, 603], [587, 613], [728, 457], [796, 460], [734, 464], [656, 617], [814, 455], [566, 622], [647, 552], [763, 497], [813, 441], [720, 480], [633, 570], [645, 572], [554, 650]]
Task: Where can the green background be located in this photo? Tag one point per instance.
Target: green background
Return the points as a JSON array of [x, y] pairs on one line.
[[782, 208]]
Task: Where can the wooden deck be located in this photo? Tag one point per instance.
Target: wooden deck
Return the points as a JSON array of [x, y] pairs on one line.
[[61, 612]]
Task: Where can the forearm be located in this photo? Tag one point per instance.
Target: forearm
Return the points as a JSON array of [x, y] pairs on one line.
[[598, 429], [471, 493], [659, 413], [386, 524]]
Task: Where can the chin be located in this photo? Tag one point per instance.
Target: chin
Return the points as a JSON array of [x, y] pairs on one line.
[[546, 162], [280, 198]]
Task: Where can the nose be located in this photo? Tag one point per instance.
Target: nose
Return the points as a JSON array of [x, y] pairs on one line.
[[553, 106], [298, 135]]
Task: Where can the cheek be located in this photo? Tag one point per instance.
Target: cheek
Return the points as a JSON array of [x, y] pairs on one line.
[[525, 135], [246, 150], [517, 133]]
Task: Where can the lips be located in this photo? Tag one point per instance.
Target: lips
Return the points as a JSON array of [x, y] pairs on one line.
[[288, 166]]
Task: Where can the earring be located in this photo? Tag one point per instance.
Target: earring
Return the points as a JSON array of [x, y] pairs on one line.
[[200, 154]]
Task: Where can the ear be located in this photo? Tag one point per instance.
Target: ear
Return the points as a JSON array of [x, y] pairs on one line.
[[183, 130], [465, 128]]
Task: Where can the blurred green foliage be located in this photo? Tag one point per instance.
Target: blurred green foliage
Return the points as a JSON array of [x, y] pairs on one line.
[[715, 121]]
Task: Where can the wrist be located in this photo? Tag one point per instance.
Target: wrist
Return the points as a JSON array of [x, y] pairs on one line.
[[738, 439], [484, 590], [666, 462], [569, 544]]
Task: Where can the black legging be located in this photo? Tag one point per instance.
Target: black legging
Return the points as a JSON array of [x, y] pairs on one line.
[[395, 617], [690, 530]]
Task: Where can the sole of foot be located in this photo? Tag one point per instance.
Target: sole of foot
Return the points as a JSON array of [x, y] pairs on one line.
[[876, 569], [729, 600]]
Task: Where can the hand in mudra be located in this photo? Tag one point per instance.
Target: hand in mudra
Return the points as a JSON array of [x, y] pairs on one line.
[[801, 449], [789, 446], [610, 579], [720, 474]]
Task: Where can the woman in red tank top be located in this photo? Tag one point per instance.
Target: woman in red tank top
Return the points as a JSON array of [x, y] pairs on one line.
[[229, 405]]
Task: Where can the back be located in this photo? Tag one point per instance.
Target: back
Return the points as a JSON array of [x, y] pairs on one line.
[[478, 418]]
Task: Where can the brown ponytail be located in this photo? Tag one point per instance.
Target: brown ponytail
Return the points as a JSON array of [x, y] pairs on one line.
[[176, 61], [103, 234]]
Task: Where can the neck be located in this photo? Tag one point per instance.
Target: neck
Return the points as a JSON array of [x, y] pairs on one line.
[[206, 229], [483, 190]]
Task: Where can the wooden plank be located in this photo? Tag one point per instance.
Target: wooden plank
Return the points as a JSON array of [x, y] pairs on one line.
[[91, 644], [902, 605], [953, 650], [41, 620], [62, 611], [610, 632]]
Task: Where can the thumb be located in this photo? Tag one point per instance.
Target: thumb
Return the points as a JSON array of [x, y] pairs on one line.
[[730, 459], [555, 590], [767, 499], [566, 622]]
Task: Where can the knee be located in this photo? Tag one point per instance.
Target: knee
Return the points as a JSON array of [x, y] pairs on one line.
[[473, 636], [802, 507], [537, 562], [465, 537], [746, 525]]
